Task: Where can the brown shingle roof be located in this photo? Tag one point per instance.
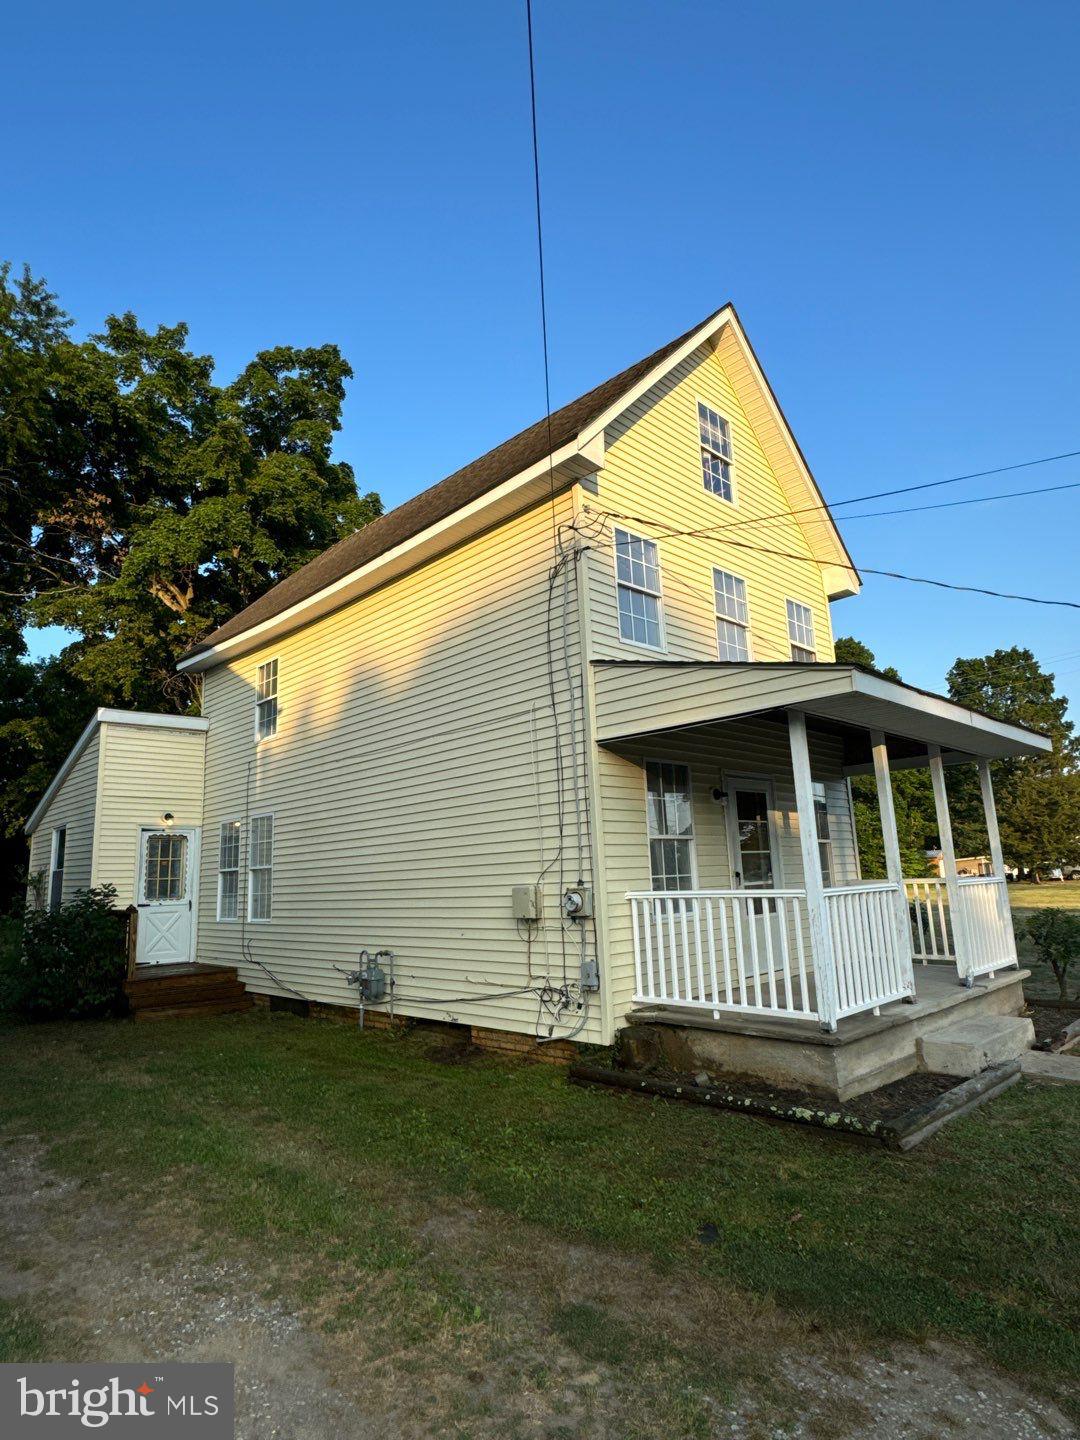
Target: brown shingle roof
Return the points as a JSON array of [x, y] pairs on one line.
[[441, 500]]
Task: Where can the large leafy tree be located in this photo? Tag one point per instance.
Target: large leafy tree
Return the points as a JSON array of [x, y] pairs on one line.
[[141, 503], [1038, 799]]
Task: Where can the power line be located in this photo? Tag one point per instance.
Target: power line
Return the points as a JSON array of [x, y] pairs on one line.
[[972, 500], [865, 569]]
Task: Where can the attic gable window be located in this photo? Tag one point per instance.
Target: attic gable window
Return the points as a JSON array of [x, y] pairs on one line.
[[800, 624], [637, 572], [266, 705], [716, 455]]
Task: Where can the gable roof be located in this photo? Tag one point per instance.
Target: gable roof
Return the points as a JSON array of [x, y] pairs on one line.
[[530, 447]]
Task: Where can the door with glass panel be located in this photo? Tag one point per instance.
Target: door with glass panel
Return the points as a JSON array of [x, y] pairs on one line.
[[165, 901], [755, 865]]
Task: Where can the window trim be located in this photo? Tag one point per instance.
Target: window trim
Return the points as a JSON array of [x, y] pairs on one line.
[[648, 760], [54, 869], [657, 595], [728, 460], [260, 815], [229, 820], [744, 625], [261, 739], [793, 644]]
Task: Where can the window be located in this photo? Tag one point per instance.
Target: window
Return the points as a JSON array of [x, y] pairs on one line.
[[715, 452], [732, 616], [166, 867], [671, 826], [56, 867], [228, 894], [637, 570], [266, 708], [821, 820], [800, 627], [261, 867]]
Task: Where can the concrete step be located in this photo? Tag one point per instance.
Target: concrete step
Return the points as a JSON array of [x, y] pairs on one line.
[[969, 1046]]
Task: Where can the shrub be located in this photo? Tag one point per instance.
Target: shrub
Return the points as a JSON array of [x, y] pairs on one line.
[[71, 963], [1055, 934]]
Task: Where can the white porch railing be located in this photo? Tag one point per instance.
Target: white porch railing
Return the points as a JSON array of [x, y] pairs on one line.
[[748, 951], [987, 921], [931, 932], [873, 961]]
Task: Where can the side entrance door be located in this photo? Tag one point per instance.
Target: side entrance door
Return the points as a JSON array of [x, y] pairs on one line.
[[166, 896], [755, 865]]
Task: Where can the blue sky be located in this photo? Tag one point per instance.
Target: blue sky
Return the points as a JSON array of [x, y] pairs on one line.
[[889, 195]]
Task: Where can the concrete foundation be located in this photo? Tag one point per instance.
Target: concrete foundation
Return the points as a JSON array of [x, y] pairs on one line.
[[864, 1052]]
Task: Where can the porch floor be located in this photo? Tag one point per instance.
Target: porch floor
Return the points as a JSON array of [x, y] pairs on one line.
[[865, 1051], [937, 988]]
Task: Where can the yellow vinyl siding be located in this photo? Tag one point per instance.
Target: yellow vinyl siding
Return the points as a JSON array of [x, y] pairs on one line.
[[401, 780], [146, 770], [73, 805], [652, 472]]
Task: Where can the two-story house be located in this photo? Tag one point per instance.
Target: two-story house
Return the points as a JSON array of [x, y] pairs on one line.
[[564, 736]]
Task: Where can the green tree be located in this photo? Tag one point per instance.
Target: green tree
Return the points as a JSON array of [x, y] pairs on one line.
[[141, 504], [1055, 934], [1038, 799]]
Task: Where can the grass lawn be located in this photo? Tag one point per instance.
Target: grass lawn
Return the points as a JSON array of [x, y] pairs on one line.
[[1025, 898], [327, 1151]]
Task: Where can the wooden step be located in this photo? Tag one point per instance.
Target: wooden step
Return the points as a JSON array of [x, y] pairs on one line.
[[198, 1007], [223, 989]]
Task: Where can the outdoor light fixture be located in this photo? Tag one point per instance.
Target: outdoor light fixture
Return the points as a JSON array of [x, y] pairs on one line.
[[167, 818]]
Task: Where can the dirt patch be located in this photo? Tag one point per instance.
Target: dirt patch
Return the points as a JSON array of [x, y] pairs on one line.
[[1050, 1022], [576, 1341]]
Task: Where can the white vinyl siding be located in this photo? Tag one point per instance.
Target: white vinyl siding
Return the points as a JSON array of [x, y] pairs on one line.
[[261, 867], [732, 616], [228, 903], [716, 456], [801, 631], [74, 809], [266, 700], [671, 826], [637, 569]]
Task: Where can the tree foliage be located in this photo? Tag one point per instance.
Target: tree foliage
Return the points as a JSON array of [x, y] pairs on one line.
[[141, 504], [1055, 936]]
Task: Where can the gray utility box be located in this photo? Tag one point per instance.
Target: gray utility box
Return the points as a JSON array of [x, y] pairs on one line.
[[527, 902]]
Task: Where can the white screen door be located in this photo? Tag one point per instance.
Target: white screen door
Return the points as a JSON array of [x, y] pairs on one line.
[[166, 901]]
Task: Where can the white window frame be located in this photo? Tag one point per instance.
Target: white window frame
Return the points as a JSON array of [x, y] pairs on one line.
[[826, 847], [54, 869], [744, 624], [706, 448], [690, 840], [798, 630], [634, 588], [254, 919], [224, 870], [260, 701]]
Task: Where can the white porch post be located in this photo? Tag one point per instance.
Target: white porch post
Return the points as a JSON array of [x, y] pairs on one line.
[[948, 863], [894, 867], [820, 937], [997, 858]]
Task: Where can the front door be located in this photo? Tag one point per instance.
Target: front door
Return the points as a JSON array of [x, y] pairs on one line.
[[754, 866], [166, 896]]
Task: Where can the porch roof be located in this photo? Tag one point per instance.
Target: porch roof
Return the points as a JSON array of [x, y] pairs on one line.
[[648, 697]]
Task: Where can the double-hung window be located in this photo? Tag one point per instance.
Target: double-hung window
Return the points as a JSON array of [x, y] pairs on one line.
[[800, 625], [228, 895], [732, 616], [637, 572], [716, 466], [266, 706], [56, 867], [261, 867], [824, 836], [671, 825]]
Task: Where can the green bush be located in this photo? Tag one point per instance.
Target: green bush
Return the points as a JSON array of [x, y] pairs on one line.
[[71, 963], [1055, 935]]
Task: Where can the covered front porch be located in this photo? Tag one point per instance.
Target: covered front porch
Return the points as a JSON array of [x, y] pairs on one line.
[[783, 935]]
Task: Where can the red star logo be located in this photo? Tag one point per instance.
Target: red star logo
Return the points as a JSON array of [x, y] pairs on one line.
[[145, 1389]]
